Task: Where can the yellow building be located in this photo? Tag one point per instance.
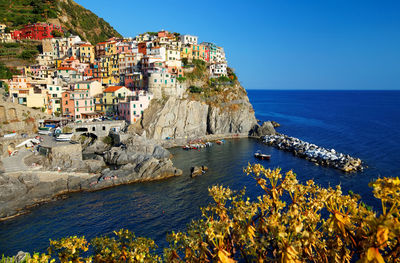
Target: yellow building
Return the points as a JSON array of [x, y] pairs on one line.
[[186, 52], [86, 53], [109, 69], [111, 48], [199, 52], [112, 96]]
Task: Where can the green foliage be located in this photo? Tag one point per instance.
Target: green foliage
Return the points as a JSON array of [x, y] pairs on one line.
[[223, 79], [7, 73], [108, 140], [199, 71], [28, 54], [152, 33], [181, 79], [194, 89], [56, 33], [10, 45], [184, 61]]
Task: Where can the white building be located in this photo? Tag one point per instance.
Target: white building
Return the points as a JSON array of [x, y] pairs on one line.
[[158, 53], [218, 70], [163, 83], [173, 54], [189, 40]]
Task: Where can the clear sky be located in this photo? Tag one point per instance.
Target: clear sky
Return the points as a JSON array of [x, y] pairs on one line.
[[282, 44]]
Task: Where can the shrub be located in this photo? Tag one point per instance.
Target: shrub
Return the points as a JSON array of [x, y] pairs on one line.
[[181, 79], [194, 89], [290, 223], [108, 140], [28, 54]]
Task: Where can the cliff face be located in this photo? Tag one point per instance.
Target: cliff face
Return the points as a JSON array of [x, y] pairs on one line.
[[193, 115]]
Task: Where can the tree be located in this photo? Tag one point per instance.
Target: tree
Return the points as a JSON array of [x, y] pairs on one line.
[[56, 33]]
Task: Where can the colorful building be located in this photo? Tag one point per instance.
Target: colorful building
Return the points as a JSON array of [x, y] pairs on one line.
[[132, 110], [112, 96], [86, 53], [37, 31]]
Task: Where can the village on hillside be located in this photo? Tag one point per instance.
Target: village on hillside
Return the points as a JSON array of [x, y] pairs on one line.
[[82, 81]]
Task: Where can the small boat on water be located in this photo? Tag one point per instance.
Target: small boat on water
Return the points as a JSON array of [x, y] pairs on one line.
[[64, 137], [220, 142], [262, 156]]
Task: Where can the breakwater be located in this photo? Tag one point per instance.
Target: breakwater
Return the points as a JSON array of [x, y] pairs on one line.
[[314, 153]]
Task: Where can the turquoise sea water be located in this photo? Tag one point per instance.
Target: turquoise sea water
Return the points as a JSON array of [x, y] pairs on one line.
[[364, 124]]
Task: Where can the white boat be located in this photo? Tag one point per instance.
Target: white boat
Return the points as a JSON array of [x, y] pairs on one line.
[[262, 156], [64, 137]]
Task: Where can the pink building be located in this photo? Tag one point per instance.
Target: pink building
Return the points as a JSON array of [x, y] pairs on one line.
[[124, 48], [132, 110], [83, 103]]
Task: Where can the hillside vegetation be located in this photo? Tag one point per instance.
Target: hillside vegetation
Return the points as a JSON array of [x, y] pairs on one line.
[[75, 18]]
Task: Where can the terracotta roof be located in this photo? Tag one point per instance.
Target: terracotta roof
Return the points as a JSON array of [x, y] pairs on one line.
[[66, 68], [86, 45], [112, 88]]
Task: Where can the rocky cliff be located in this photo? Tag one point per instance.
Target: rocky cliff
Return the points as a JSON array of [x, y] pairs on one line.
[[136, 160], [216, 110]]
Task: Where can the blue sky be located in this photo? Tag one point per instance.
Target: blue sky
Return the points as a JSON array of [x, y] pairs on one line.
[[324, 44]]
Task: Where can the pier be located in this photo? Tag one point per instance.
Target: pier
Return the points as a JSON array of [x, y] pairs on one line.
[[314, 153]]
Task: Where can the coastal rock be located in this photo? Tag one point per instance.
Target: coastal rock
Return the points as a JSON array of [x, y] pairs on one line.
[[314, 153], [94, 166], [198, 170], [98, 146], [21, 257], [267, 128], [67, 157], [234, 117]]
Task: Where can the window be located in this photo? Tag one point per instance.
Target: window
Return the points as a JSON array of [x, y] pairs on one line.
[[58, 88], [141, 106], [155, 80], [51, 88], [134, 105], [134, 112]]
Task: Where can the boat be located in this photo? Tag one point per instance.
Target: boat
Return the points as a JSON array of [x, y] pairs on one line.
[[45, 130], [186, 147], [262, 156], [220, 142], [64, 137]]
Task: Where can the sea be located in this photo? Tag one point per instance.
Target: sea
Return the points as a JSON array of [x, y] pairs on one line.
[[364, 124]]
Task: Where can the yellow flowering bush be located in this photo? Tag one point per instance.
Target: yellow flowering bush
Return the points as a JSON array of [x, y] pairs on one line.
[[289, 223]]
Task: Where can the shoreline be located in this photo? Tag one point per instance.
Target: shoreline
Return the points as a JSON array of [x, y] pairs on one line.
[[57, 184]]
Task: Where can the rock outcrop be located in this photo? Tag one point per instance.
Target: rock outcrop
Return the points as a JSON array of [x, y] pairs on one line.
[[198, 170], [267, 128], [137, 159], [181, 118]]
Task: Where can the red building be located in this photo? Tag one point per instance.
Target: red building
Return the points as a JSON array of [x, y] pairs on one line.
[[36, 31], [142, 48]]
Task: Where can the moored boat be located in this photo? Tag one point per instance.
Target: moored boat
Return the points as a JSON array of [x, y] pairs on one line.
[[44, 130], [64, 137], [262, 156]]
